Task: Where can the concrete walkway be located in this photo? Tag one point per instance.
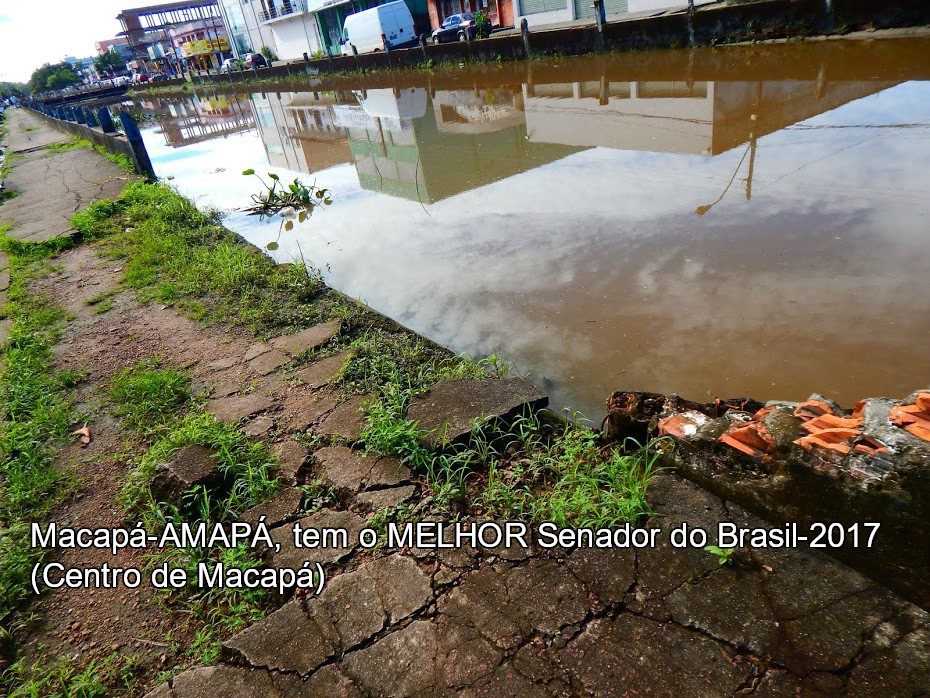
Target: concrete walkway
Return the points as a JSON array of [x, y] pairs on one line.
[[78, 176], [660, 621]]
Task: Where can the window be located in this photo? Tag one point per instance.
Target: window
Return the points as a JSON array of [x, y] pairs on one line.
[[530, 7]]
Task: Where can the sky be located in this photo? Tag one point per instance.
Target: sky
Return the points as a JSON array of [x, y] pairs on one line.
[[33, 33]]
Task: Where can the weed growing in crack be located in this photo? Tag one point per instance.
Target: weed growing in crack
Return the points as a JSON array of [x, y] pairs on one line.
[[72, 144], [724, 555], [571, 481]]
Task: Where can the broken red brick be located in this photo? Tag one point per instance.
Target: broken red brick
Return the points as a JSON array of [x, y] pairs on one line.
[[914, 418], [682, 425], [812, 409], [751, 438], [831, 421]]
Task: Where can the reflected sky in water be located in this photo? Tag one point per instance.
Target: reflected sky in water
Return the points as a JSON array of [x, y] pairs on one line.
[[557, 222]]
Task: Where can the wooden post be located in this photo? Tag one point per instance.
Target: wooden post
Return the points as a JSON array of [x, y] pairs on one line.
[[423, 47], [140, 155], [525, 31], [106, 120], [79, 115]]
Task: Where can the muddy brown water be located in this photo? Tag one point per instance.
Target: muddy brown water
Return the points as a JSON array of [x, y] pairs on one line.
[[721, 222]]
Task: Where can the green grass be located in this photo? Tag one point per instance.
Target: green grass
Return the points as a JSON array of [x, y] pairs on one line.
[[248, 469], [177, 254], [572, 481], [72, 144], [7, 195], [36, 416], [63, 679], [124, 161], [148, 398]]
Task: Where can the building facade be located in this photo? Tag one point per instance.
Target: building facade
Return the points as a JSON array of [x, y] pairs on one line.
[[181, 35], [292, 28]]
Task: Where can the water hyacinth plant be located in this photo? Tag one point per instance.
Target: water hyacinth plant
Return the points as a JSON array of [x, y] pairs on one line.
[[290, 201]]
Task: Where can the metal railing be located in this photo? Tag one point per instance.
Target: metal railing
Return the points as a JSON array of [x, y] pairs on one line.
[[285, 8]]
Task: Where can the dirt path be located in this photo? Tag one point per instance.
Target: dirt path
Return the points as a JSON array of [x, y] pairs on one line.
[[660, 621]]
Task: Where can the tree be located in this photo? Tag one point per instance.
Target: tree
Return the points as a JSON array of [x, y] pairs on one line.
[[54, 77], [13, 88], [110, 63]]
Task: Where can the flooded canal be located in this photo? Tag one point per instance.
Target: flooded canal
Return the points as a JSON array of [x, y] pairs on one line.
[[738, 221]]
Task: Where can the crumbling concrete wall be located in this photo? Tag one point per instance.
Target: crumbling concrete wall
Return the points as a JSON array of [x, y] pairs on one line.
[[808, 462]]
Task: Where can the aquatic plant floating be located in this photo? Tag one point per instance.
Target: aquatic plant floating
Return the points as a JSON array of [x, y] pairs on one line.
[[290, 201]]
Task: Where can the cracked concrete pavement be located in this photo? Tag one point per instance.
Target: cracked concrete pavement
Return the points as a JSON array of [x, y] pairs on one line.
[[654, 622], [78, 176]]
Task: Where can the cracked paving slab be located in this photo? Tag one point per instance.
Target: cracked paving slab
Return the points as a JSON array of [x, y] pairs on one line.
[[354, 607], [663, 622]]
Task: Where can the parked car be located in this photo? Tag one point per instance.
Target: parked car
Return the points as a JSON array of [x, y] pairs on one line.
[[255, 60], [462, 27], [121, 80], [158, 77], [229, 65], [383, 27], [140, 77]]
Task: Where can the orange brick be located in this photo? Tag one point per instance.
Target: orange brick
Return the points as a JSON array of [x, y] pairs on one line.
[[831, 421], [812, 409]]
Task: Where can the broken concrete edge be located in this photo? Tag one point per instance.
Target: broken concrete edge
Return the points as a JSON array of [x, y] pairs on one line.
[[452, 411], [809, 463]]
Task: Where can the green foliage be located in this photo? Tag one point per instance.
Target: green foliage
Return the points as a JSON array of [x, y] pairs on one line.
[[246, 466], [7, 194], [724, 555], [294, 200], [110, 63], [176, 253], [123, 161], [73, 143], [62, 679], [269, 53], [34, 418], [149, 398], [53, 77], [18, 89], [571, 481]]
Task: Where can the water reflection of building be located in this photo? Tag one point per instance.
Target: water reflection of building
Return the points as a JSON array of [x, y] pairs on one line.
[[427, 145], [196, 119], [678, 116], [299, 129], [405, 142]]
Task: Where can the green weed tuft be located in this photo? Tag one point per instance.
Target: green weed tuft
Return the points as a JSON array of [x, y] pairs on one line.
[[149, 398]]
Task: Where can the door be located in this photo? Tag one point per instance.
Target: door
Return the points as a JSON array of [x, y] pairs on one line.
[[585, 8]]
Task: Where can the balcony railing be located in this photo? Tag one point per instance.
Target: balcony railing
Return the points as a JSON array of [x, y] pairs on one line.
[[283, 9]]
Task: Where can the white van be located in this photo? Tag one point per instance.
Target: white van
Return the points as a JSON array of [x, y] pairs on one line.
[[389, 25]]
